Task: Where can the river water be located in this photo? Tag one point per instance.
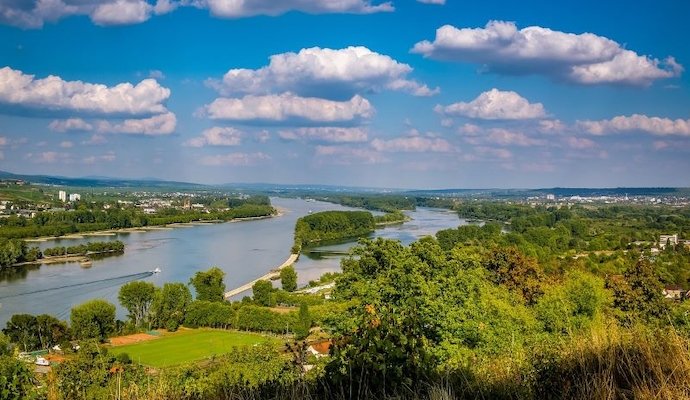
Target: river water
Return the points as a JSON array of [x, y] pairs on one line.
[[244, 250]]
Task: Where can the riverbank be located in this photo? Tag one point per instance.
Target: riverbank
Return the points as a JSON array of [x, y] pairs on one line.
[[274, 273], [144, 229], [80, 258]]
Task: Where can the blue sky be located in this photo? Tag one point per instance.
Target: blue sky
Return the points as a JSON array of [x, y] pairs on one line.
[[404, 94]]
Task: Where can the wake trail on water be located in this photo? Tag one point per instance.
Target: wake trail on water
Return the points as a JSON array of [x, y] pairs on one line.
[[124, 278]]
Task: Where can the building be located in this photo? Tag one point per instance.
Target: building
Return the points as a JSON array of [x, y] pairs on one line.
[[666, 239], [551, 197], [673, 292], [62, 195], [74, 197]]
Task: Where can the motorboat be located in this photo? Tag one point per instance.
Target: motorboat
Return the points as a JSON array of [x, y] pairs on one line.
[[157, 270]]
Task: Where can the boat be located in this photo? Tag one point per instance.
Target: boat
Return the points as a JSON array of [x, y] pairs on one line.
[[157, 270]]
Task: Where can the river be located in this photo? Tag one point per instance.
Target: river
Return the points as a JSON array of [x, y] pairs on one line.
[[244, 250]]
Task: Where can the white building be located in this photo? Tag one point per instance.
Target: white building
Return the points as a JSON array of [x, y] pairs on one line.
[[62, 195], [664, 239], [551, 197], [74, 197]]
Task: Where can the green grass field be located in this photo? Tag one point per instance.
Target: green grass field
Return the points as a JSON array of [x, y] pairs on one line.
[[189, 345]]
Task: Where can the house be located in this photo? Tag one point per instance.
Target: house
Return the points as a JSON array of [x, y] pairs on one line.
[[674, 292], [668, 239], [320, 348]]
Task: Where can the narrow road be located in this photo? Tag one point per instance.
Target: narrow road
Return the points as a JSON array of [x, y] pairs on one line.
[[274, 273]]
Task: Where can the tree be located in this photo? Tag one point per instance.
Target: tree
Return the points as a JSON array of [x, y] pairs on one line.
[[516, 272], [51, 331], [5, 345], [21, 329], [94, 319], [288, 278], [304, 322], [170, 305], [15, 379], [263, 291], [640, 292], [137, 297], [209, 284]]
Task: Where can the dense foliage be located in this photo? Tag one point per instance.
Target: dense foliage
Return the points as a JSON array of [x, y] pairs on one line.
[[114, 246], [332, 226]]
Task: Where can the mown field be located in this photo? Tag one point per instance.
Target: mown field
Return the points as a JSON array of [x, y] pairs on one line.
[[190, 345]]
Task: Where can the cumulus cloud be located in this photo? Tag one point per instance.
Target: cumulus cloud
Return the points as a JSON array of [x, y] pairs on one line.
[[235, 159], [70, 124], [494, 152], [288, 107], [217, 136], [163, 124], [95, 139], [439, 2], [638, 123], [326, 73], [34, 13], [346, 155], [578, 58], [505, 137], [66, 144], [248, 8], [326, 134], [49, 157], [495, 105], [55, 94], [412, 144]]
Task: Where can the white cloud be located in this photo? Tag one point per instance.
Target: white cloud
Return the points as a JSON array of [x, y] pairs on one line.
[[163, 124], [438, 2], [156, 74], [579, 58], [66, 144], [55, 94], [248, 8], [70, 124], [49, 157], [349, 155], [326, 134], [34, 13], [494, 152], [3, 141], [121, 12], [638, 123], [107, 157], [95, 139], [235, 159], [495, 104], [288, 107], [412, 144], [217, 136], [327, 73], [505, 137], [580, 143]]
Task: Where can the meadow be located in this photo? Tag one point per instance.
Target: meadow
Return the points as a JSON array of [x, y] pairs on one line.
[[189, 345]]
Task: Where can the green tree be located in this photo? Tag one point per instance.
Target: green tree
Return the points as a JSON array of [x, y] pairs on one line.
[[209, 284], [137, 297], [263, 293], [170, 305], [5, 345], [21, 329], [515, 271], [16, 379], [94, 319], [51, 331], [304, 322], [288, 278], [640, 293]]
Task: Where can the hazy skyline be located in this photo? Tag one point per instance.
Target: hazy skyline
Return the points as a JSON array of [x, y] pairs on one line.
[[408, 94]]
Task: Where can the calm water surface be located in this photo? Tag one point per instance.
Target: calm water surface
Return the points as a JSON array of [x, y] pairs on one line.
[[244, 250]]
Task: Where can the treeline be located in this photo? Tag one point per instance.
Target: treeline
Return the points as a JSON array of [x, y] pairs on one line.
[[61, 223], [114, 246], [332, 226], [375, 202], [390, 217], [14, 251]]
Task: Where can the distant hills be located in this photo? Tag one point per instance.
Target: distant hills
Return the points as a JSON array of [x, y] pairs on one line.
[[305, 190]]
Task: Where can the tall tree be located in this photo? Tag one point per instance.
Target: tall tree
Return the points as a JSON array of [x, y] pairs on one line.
[[170, 305], [93, 319], [288, 278], [137, 297], [21, 329], [303, 323], [209, 284], [263, 293], [51, 331]]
